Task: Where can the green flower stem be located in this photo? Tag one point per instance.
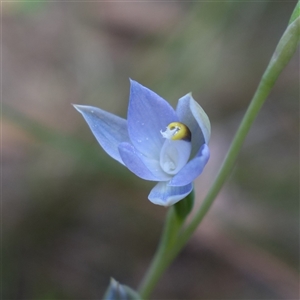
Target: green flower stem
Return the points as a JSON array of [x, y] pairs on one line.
[[282, 55], [161, 259], [173, 240]]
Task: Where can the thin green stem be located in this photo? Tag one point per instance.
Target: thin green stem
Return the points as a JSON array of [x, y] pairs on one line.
[[161, 257], [172, 240], [174, 221], [283, 53]]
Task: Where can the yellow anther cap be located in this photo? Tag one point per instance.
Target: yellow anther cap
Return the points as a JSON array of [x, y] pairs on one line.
[[177, 131]]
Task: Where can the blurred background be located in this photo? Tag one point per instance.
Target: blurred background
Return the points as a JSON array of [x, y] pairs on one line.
[[73, 217]]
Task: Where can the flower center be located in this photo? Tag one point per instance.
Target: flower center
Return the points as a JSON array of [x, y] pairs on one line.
[[176, 149], [177, 131]]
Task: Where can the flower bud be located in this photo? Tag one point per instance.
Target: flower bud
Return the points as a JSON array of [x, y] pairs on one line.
[[117, 291]]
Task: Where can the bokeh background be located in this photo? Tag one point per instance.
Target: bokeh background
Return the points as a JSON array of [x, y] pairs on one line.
[[72, 217]]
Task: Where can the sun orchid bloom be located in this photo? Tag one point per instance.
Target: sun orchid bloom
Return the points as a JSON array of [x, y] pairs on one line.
[[156, 142]]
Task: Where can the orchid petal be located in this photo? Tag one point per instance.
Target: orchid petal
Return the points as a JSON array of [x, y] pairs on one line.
[[174, 155], [192, 114], [192, 169], [148, 114], [165, 195], [109, 130], [140, 165]]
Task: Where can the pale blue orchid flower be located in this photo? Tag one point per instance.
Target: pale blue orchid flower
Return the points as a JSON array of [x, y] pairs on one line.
[[156, 142]]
